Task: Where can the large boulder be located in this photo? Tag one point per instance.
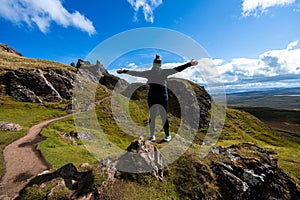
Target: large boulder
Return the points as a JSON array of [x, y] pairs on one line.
[[142, 156]]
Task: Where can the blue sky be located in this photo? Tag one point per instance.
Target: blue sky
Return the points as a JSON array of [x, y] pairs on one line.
[[254, 43]]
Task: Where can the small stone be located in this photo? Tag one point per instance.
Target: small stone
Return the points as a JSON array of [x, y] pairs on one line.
[[85, 136], [85, 165], [9, 126]]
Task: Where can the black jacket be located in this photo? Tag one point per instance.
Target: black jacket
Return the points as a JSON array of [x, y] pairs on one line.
[[157, 77]]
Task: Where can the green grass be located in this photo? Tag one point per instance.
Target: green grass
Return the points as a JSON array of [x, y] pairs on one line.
[[17, 112], [60, 151], [239, 127], [147, 187], [10, 61]]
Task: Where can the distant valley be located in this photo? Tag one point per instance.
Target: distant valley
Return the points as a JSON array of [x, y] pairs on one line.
[[278, 108], [283, 98]]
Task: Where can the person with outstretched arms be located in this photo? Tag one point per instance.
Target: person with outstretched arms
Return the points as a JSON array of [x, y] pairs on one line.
[[158, 93]]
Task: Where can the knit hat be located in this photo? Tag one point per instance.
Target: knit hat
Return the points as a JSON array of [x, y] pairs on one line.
[[157, 59]]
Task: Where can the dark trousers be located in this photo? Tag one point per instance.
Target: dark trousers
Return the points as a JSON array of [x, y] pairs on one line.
[[158, 103]]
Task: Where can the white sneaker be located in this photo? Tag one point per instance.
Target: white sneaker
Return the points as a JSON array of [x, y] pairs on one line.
[[168, 138], [152, 138]]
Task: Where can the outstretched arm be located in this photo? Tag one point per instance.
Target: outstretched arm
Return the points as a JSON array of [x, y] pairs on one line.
[[181, 67], [189, 64], [122, 71], [143, 74]]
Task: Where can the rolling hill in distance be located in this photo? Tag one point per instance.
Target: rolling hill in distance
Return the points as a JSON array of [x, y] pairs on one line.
[[278, 98], [279, 108], [250, 160]]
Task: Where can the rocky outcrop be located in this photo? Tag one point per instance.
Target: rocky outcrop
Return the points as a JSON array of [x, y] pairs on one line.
[[92, 72], [53, 85], [250, 172], [239, 172], [9, 126], [98, 74], [38, 86], [142, 156], [194, 99], [110, 81], [62, 81], [8, 49]]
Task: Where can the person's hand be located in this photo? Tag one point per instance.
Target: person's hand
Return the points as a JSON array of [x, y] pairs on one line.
[[120, 71], [194, 62]]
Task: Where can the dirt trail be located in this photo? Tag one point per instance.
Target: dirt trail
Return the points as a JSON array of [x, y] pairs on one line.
[[23, 161]]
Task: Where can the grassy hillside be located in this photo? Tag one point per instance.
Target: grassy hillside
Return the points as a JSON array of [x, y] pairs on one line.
[[9, 61], [287, 122], [239, 127], [189, 177], [182, 178]]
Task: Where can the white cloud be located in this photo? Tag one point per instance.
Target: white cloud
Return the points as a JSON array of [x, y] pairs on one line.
[[276, 66], [254, 7], [147, 6], [273, 68], [42, 13], [132, 66], [292, 45]]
